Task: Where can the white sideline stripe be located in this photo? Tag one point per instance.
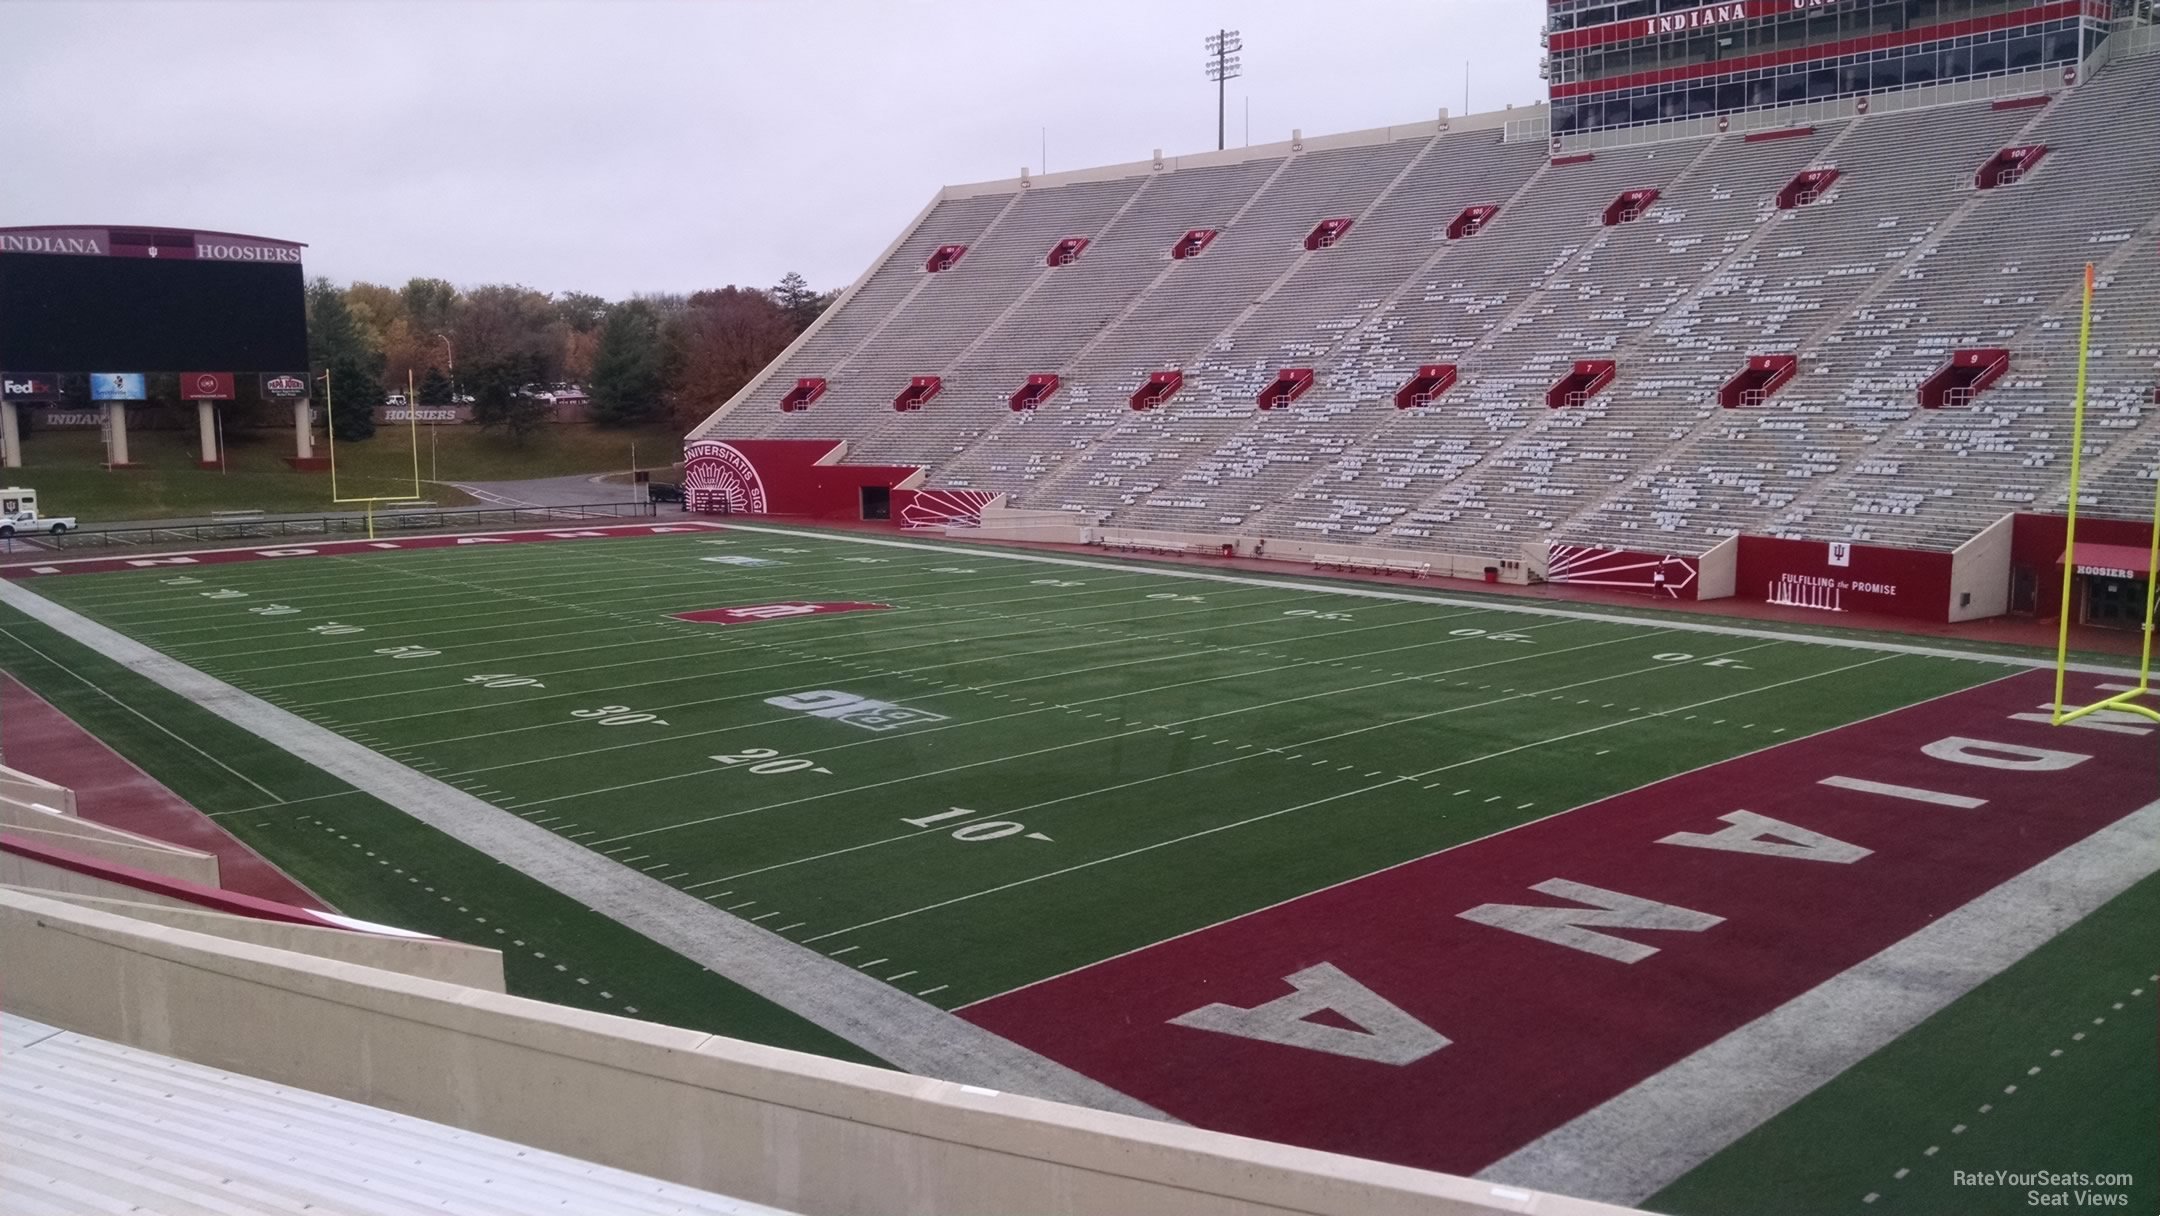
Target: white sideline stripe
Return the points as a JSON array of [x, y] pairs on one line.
[[1636, 1144], [86, 682], [906, 1031], [1677, 624], [1909, 793]]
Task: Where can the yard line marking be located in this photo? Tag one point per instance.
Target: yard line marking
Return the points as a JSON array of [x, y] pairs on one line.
[[1050, 628], [1083, 794], [894, 979], [928, 991], [1105, 860], [1120, 735]]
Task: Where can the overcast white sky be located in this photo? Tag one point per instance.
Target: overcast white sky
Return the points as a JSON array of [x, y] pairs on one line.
[[618, 147]]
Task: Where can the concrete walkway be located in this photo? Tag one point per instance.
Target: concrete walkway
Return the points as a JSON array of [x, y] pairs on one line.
[[909, 1033]]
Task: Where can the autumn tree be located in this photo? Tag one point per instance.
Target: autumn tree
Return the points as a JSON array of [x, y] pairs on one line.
[[501, 323], [720, 341], [431, 309]]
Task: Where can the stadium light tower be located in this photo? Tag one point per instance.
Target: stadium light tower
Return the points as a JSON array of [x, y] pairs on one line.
[[1223, 67]]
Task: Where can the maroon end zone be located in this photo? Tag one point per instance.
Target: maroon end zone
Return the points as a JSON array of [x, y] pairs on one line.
[[337, 548], [1619, 937], [747, 613]]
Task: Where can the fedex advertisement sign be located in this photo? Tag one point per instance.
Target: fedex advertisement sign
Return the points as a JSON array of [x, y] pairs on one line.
[[24, 386]]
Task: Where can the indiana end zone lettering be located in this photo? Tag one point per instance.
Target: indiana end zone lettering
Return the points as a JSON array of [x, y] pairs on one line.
[[1689, 907]]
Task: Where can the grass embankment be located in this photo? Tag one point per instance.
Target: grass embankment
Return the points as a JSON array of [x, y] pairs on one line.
[[67, 468]]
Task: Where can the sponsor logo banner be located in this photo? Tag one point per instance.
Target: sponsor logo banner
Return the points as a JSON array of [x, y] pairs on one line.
[[206, 386], [854, 710], [284, 386], [117, 386], [28, 386], [773, 612]]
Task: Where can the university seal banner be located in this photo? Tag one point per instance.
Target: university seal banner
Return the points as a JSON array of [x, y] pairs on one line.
[[717, 477]]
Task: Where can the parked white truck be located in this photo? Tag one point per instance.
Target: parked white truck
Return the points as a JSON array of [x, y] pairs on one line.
[[19, 515]]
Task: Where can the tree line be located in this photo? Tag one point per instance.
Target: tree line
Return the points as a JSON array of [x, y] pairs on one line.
[[647, 359]]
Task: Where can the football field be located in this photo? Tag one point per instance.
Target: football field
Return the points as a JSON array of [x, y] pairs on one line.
[[1057, 794]]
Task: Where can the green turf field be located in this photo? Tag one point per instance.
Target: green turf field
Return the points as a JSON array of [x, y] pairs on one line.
[[1085, 759], [1129, 756]]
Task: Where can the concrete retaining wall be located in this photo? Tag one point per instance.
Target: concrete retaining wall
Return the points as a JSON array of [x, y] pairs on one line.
[[777, 1127]]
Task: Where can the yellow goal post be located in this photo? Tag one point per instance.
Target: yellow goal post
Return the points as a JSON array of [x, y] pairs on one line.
[[412, 416], [2131, 700]]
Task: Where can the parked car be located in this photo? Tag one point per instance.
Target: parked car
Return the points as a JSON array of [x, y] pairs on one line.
[[663, 491], [394, 399]]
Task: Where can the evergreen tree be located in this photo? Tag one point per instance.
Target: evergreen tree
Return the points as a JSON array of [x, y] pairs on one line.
[[335, 344], [355, 393], [629, 367], [498, 405], [435, 388], [801, 304]]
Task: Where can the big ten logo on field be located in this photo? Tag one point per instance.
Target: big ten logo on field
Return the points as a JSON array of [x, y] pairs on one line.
[[740, 559], [854, 710]]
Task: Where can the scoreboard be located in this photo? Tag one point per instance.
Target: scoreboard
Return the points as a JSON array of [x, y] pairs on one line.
[[79, 300]]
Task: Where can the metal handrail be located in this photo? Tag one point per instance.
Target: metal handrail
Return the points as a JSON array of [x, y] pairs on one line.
[[420, 519]]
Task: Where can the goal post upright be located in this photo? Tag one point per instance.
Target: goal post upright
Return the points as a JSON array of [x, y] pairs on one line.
[[412, 426], [2131, 700]]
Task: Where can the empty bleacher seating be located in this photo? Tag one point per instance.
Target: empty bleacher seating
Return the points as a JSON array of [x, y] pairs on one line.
[[1862, 247]]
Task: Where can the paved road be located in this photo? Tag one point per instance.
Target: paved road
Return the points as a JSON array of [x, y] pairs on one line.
[[575, 491]]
